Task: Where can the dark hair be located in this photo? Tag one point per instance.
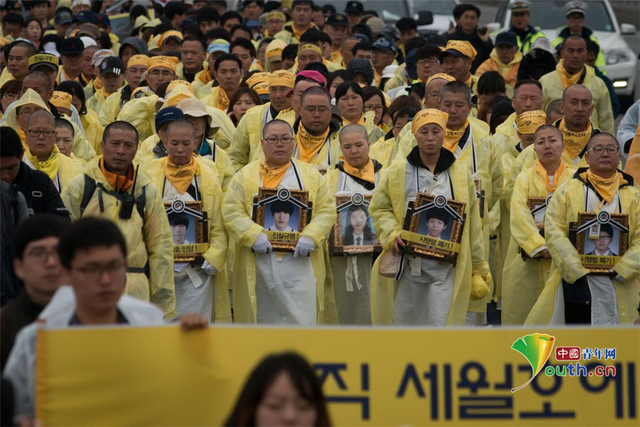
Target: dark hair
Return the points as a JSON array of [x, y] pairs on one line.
[[362, 29], [244, 43], [491, 82], [301, 3], [207, 14], [178, 219], [501, 110], [462, 8], [31, 50], [369, 92], [607, 228], [312, 35], [119, 124], [290, 52], [263, 41], [218, 33], [259, 3], [342, 73], [174, 8], [74, 88], [406, 24], [344, 88], [64, 123], [226, 57], [13, 18], [239, 27], [12, 86], [137, 10], [593, 47], [34, 19], [415, 43], [360, 46], [196, 39], [484, 110], [319, 67], [402, 102], [367, 233], [437, 213], [36, 227], [11, 145], [230, 14], [326, 39], [281, 206], [406, 112], [527, 82], [428, 51], [300, 373], [236, 96], [87, 233], [456, 87]]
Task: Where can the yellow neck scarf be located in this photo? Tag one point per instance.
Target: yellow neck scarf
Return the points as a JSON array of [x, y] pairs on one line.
[[97, 83], [180, 176], [205, 76], [566, 78], [298, 32], [367, 173], [360, 121], [49, 166], [271, 176], [469, 81], [376, 77], [308, 145], [545, 177], [574, 142], [23, 139], [452, 137], [606, 187], [113, 179], [222, 99]]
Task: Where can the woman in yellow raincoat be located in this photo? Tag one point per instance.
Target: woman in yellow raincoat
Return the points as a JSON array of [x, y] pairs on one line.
[[278, 287], [429, 292], [572, 294], [182, 176], [528, 260]]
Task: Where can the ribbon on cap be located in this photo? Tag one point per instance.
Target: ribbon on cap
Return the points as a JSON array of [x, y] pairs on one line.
[[529, 121], [138, 60], [282, 78], [163, 61], [429, 115]]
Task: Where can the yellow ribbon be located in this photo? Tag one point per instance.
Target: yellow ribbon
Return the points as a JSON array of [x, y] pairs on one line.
[[180, 176], [272, 176], [574, 142], [49, 166], [309, 145]]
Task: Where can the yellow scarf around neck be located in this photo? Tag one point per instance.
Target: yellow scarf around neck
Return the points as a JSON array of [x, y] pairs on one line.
[[181, 176], [272, 176], [360, 121], [205, 76], [113, 178], [566, 78], [545, 177], [308, 145], [367, 173], [49, 166], [452, 137], [606, 187], [222, 99], [574, 142], [296, 32]]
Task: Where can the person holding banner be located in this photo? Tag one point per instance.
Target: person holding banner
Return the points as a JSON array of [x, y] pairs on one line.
[[355, 173], [573, 294], [279, 288], [524, 276], [201, 287], [430, 292]]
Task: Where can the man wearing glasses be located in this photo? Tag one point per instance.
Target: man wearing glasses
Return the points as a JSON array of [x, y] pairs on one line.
[[43, 154], [572, 293], [279, 287]]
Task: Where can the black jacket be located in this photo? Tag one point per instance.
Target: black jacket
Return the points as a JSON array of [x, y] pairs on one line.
[[39, 191]]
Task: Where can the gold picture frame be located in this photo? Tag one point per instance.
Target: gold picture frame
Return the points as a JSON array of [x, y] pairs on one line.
[[278, 226], [419, 234], [341, 237], [188, 225], [589, 226]]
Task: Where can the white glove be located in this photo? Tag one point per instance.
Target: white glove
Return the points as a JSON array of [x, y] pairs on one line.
[[304, 247], [262, 244], [208, 268]]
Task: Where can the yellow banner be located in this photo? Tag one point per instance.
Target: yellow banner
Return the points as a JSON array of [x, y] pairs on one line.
[[605, 261], [430, 241], [191, 249], [371, 376], [280, 236]]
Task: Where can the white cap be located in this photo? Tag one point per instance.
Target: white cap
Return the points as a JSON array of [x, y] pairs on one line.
[[542, 43], [80, 3], [389, 71], [88, 41]]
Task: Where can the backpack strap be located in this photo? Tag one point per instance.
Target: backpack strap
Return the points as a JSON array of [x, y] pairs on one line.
[[89, 189]]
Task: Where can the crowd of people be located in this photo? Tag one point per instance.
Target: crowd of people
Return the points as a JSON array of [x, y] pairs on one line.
[[484, 180]]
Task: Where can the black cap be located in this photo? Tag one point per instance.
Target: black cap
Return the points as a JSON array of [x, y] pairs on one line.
[[354, 7], [360, 66], [71, 46], [506, 38], [86, 16], [385, 44], [111, 65], [337, 19], [63, 16], [168, 114]]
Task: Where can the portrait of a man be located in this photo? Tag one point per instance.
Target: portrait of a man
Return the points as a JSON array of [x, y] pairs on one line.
[[602, 246], [281, 213], [179, 223]]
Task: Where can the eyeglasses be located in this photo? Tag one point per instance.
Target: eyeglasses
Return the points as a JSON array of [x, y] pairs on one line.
[[38, 132], [42, 254], [286, 139], [95, 271], [610, 150]]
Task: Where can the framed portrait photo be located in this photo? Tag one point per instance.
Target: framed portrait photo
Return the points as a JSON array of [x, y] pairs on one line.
[[188, 229], [353, 231], [283, 213], [601, 239], [434, 227]]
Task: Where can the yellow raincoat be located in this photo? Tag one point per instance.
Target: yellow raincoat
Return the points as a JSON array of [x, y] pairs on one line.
[[524, 280], [148, 240], [111, 107], [93, 129], [602, 116], [140, 112], [508, 71], [237, 210], [330, 152], [388, 210], [246, 138], [567, 201], [211, 197], [67, 170]]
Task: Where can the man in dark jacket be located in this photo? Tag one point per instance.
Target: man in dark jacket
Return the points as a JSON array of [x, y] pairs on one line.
[[39, 191], [467, 16]]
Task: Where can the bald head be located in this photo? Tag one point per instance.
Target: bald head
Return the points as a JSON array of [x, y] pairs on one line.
[[42, 116], [576, 107], [40, 82], [576, 90], [356, 129], [603, 137]]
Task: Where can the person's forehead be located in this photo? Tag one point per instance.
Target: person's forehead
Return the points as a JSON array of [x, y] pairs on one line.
[[45, 242], [455, 96], [42, 120], [602, 140], [528, 89], [228, 64], [122, 134], [575, 43], [316, 99], [18, 50], [192, 44], [98, 254], [278, 128], [63, 130], [577, 93]]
